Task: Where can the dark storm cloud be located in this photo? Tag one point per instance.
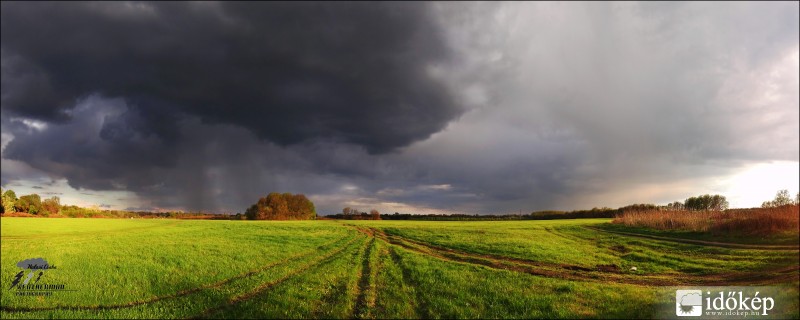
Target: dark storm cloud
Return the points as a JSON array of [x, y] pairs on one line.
[[212, 167], [103, 142], [289, 72]]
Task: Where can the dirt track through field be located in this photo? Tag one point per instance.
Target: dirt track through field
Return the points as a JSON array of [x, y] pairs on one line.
[[420, 309], [183, 292], [366, 294], [580, 273], [260, 289], [703, 243], [420, 306]]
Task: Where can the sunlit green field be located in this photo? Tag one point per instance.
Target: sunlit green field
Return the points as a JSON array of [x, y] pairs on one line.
[[135, 268]]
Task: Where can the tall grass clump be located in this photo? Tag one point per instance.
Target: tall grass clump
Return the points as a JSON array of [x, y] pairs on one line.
[[756, 221]]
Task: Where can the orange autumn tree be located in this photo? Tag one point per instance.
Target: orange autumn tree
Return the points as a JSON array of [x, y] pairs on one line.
[[285, 206]]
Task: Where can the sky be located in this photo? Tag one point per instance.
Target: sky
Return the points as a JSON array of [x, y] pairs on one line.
[[420, 107]]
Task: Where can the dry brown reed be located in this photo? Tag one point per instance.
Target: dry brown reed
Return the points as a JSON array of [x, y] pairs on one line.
[[756, 221]]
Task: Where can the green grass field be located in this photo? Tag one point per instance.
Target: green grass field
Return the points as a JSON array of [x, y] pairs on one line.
[[135, 268]]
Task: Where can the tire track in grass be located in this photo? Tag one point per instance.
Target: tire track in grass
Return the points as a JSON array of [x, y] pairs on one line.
[[602, 244], [260, 289], [633, 244], [449, 255], [702, 242], [366, 293], [343, 285], [382, 253], [403, 241], [557, 234], [420, 306], [569, 272], [562, 235], [182, 292]]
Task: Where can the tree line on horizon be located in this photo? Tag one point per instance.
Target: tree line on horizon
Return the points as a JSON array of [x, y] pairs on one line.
[[704, 202], [31, 203], [355, 214], [288, 206]]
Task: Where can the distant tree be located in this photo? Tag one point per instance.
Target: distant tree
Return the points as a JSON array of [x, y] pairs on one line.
[[263, 209], [638, 207], [300, 207], [690, 204], [782, 198], [9, 194], [279, 206], [706, 202], [675, 206], [374, 214], [31, 203], [251, 213], [285, 206], [718, 203], [307, 207], [288, 198], [699, 203], [9, 199], [347, 211], [52, 205]]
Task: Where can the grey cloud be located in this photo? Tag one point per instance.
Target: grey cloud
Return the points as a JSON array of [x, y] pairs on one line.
[[34, 261], [622, 94]]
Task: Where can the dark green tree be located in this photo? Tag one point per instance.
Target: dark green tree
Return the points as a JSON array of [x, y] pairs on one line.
[[706, 202], [31, 203]]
